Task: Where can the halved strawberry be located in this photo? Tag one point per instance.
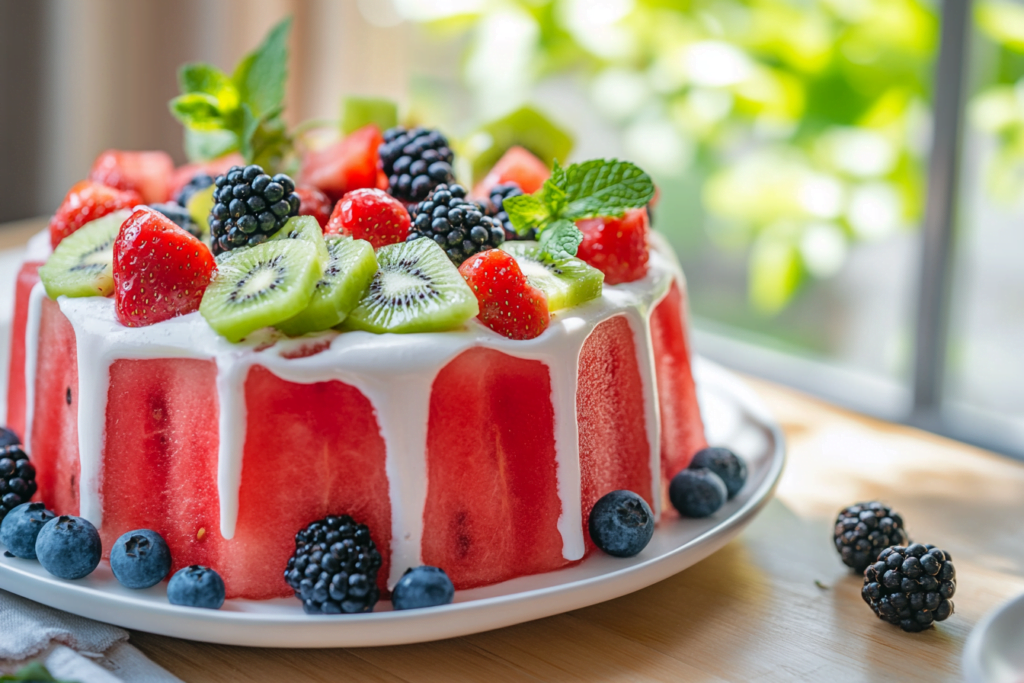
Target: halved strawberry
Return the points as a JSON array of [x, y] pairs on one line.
[[148, 173], [347, 165], [219, 166], [160, 271], [86, 201], [372, 215], [518, 165], [313, 202], [509, 305], [618, 247]]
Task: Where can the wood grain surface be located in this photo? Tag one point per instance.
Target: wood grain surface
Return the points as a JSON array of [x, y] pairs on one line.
[[776, 604]]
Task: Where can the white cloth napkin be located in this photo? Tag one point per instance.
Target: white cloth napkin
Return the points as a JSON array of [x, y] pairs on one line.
[[70, 647]]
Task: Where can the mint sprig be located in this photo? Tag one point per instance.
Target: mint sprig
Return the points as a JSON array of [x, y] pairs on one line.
[[599, 187], [240, 112]]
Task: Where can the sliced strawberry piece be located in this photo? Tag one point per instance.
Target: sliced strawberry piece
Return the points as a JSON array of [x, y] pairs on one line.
[[518, 166], [86, 201], [160, 271], [148, 173], [183, 174], [313, 202], [618, 247], [509, 305], [371, 215], [347, 165]]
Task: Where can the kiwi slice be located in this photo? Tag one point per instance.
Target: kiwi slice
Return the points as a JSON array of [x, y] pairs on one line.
[[83, 263], [305, 228], [567, 282], [348, 274], [260, 286], [416, 289], [199, 207]]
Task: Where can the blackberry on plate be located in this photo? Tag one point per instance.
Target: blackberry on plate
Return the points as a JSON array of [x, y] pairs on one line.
[[459, 226], [497, 196], [249, 207], [864, 530], [199, 182], [180, 216], [911, 586], [17, 479], [415, 161], [334, 567]]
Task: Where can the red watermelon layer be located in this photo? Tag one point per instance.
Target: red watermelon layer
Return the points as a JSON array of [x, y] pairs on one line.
[[28, 276]]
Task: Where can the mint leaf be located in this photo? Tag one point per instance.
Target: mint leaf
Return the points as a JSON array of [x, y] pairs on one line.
[[605, 187], [357, 112], [197, 111], [553, 197], [560, 239], [526, 211], [260, 77], [209, 80], [205, 145]]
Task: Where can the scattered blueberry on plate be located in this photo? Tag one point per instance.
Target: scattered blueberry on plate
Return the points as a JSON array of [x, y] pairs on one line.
[[69, 547], [196, 586], [140, 559], [726, 464], [697, 492], [422, 587], [21, 527], [621, 523]]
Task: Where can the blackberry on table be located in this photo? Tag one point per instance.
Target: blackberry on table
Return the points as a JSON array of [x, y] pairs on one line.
[[911, 586], [864, 530], [415, 161], [17, 479], [497, 196], [459, 226], [199, 182], [334, 567], [249, 207]]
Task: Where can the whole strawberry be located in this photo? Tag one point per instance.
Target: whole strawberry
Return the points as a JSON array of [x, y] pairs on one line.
[[509, 305], [160, 271], [371, 215], [86, 201], [313, 202], [618, 247]]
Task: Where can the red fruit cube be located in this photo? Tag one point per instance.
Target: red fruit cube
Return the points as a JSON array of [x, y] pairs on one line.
[[618, 247], [372, 215], [313, 202], [160, 271], [509, 305], [517, 166], [86, 201], [347, 165], [148, 173], [183, 174]]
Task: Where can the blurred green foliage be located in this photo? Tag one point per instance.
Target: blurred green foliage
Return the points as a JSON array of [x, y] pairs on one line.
[[805, 121]]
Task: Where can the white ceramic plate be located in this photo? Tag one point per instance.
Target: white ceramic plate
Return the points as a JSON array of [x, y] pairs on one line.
[[734, 417], [994, 652]]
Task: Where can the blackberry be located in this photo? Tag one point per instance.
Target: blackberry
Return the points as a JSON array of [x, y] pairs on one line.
[[498, 194], [911, 586], [334, 567], [249, 207], [863, 530], [459, 226], [415, 162], [8, 437], [199, 182], [17, 479], [180, 216]]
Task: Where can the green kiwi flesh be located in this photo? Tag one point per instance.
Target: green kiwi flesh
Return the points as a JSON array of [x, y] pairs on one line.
[[260, 286], [567, 282], [348, 274], [305, 228], [83, 263], [416, 289]]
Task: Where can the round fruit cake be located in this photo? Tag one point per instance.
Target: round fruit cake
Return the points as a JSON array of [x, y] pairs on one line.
[[417, 365]]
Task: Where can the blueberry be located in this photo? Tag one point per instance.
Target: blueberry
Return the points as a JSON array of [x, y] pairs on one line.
[[697, 492], [423, 587], [140, 559], [21, 526], [196, 586], [726, 464], [69, 547], [8, 437], [621, 523]]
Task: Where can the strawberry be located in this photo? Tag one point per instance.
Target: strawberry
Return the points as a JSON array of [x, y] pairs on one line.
[[313, 202], [509, 305], [86, 201], [372, 215], [148, 173], [219, 166], [347, 165], [518, 165], [160, 271], [616, 246]]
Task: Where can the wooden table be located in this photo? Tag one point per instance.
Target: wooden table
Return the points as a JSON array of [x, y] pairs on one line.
[[776, 604]]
